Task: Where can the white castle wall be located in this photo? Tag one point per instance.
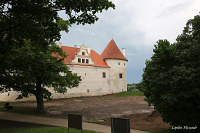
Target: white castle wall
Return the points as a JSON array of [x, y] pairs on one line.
[[117, 67], [92, 82]]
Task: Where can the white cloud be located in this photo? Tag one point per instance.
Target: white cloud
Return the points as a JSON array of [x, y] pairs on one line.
[[135, 25]]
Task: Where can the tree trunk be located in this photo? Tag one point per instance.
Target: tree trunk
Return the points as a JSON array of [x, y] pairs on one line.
[[39, 97]]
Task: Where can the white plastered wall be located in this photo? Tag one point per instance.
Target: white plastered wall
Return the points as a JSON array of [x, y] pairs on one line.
[[117, 67], [92, 82]]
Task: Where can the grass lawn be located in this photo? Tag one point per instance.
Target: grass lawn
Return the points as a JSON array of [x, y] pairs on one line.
[[130, 93], [8, 126], [43, 130]]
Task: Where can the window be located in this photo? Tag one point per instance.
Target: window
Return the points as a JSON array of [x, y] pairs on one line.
[[87, 61], [83, 53], [124, 64], [120, 75], [83, 60], [79, 60], [118, 63], [104, 75]]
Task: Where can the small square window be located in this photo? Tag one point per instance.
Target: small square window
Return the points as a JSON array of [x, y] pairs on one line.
[[104, 75], [83, 60], [87, 61], [120, 75], [83, 53], [79, 60], [118, 63]]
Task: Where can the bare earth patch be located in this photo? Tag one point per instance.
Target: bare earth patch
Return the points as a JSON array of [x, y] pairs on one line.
[[100, 109]]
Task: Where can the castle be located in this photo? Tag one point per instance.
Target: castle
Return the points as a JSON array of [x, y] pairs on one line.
[[100, 74]]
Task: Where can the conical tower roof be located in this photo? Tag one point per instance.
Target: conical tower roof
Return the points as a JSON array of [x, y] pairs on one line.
[[112, 52]]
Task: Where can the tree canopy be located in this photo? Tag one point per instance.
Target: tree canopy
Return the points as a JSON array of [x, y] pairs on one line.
[[38, 20], [32, 70], [28, 32], [171, 79]]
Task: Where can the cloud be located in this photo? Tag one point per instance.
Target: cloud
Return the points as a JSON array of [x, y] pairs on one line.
[[134, 25], [175, 8]]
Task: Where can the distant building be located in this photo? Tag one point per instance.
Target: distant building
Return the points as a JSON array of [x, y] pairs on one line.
[[101, 74]]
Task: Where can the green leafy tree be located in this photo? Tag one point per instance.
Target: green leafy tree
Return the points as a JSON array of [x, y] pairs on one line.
[[28, 30], [171, 77], [38, 21], [38, 71]]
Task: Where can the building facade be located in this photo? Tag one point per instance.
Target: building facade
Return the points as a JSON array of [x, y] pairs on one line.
[[100, 74]]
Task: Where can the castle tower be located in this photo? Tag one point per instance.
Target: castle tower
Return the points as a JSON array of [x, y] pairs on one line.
[[118, 62]]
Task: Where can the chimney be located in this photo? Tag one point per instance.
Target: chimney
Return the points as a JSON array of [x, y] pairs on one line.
[[88, 49], [60, 44], [124, 51]]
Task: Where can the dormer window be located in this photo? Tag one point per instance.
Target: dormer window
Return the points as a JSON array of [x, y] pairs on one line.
[[83, 60], [83, 53], [79, 60], [87, 61]]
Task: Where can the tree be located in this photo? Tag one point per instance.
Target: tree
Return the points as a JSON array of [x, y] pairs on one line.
[[38, 21], [28, 30], [171, 78], [38, 70]]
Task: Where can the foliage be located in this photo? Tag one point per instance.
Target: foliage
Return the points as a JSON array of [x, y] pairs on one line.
[[36, 70], [171, 78], [131, 87], [28, 30]]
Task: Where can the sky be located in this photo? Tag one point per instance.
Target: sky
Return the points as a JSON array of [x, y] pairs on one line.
[[135, 25]]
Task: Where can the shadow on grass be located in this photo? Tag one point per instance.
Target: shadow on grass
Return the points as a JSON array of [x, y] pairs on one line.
[[7, 126], [21, 110]]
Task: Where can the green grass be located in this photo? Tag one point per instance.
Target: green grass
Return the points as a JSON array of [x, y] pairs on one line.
[[130, 93], [43, 130]]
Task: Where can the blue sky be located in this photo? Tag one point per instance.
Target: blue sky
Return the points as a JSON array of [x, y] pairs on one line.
[[135, 25]]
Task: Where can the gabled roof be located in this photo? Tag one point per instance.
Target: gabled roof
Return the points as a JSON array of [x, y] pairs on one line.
[[112, 52], [71, 52]]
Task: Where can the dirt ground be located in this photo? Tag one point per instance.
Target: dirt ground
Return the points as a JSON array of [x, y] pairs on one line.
[[100, 109]]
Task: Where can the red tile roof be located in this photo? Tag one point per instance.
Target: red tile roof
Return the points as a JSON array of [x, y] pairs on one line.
[[71, 51], [112, 52]]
